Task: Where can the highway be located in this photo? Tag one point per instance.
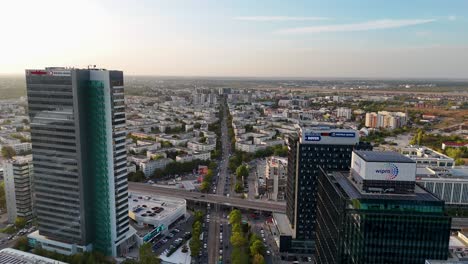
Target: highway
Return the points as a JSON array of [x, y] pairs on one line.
[[269, 206]]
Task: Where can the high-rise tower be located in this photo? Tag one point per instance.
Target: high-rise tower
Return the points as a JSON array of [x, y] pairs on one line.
[[79, 157], [314, 148]]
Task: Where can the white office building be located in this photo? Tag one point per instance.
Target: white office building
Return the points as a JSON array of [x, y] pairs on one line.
[[18, 173]]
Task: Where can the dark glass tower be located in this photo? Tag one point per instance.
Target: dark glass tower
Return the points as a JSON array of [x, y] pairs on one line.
[[371, 225], [79, 156], [314, 147]]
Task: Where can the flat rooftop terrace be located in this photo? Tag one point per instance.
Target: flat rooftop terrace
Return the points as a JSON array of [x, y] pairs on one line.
[[383, 156], [153, 207]]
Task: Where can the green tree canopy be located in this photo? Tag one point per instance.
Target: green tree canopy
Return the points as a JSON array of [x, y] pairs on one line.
[[258, 259], [257, 248], [238, 239], [147, 255], [242, 171], [20, 222], [235, 217], [8, 152]]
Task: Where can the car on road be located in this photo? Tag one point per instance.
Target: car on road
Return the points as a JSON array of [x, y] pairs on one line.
[[268, 252], [204, 245]]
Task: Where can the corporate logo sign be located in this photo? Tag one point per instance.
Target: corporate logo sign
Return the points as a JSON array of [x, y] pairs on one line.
[[389, 171], [312, 137], [343, 134]]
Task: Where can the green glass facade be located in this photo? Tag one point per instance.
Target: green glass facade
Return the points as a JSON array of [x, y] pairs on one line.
[[378, 228], [98, 166]]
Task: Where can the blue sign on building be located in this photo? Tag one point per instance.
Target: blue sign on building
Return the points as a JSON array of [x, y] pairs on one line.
[[342, 134], [312, 138]]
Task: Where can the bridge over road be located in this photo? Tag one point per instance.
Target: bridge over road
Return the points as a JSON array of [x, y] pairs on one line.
[[269, 206]]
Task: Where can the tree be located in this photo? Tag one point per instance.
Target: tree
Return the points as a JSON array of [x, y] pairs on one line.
[[137, 176], [281, 151], [242, 171], [205, 186], [22, 244], [20, 222], [238, 239], [419, 137], [238, 188], [235, 217], [258, 259], [257, 248], [8, 152], [146, 255], [198, 215]]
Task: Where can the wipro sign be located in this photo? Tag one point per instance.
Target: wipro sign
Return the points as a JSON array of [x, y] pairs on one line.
[[389, 171]]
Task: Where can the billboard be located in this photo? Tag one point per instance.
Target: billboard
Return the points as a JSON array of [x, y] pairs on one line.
[[330, 136], [387, 171]]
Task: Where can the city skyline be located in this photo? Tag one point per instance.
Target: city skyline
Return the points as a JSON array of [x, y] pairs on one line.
[[375, 39]]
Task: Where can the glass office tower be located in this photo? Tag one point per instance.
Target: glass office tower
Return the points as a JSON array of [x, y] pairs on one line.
[[79, 157], [314, 147], [360, 225]]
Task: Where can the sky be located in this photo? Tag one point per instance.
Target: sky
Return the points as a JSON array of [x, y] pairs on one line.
[[312, 39]]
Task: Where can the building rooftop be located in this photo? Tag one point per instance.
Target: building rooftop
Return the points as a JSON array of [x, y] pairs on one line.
[[282, 222], [13, 256], [352, 191], [153, 207], [383, 156]]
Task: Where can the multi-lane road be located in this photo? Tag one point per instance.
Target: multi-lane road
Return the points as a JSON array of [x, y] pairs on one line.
[[214, 240]]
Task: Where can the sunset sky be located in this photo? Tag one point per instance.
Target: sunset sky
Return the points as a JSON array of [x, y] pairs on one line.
[[369, 38]]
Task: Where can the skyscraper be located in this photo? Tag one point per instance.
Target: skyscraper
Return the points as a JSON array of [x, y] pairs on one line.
[[79, 157], [375, 213], [315, 147], [18, 173]]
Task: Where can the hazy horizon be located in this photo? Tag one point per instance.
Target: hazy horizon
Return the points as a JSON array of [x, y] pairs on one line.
[[240, 39]]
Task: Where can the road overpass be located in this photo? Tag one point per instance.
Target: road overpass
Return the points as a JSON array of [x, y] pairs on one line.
[[145, 188]]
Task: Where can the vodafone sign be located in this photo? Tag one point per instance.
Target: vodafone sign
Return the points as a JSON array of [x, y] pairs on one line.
[[49, 73]]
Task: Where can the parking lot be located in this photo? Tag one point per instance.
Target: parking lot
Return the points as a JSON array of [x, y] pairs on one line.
[[172, 238]]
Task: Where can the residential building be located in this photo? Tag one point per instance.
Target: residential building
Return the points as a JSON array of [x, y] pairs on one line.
[[77, 119], [21, 147], [198, 146], [385, 119], [371, 120], [314, 147], [276, 177], [18, 173], [344, 112], [148, 167], [375, 213]]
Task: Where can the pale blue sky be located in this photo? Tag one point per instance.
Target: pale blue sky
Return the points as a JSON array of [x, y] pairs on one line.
[[372, 38]]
